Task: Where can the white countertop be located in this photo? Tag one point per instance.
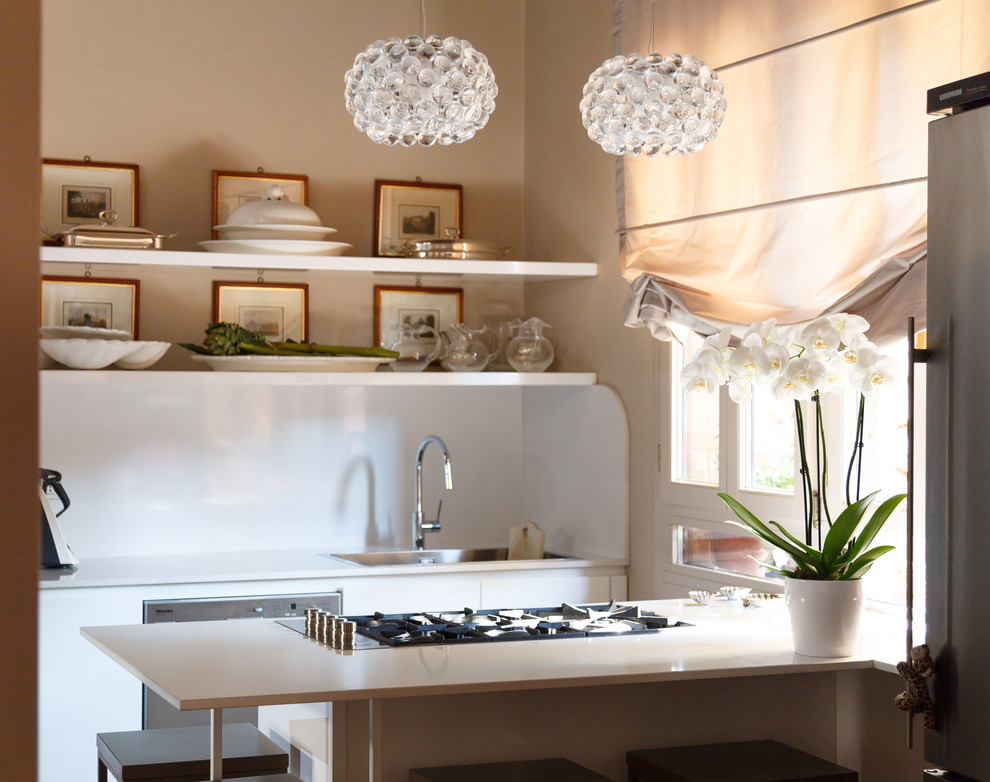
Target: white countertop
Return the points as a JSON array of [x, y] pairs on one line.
[[261, 662], [270, 565]]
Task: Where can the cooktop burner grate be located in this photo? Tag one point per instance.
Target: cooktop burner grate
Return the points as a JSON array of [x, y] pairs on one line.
[[486, 626]]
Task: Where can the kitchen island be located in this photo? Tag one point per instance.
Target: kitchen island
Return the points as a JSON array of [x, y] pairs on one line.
[[731, 675]]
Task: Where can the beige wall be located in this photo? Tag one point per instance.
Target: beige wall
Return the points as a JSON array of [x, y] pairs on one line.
[[570, 213], [19, 30], [184, 88], [180, 97]]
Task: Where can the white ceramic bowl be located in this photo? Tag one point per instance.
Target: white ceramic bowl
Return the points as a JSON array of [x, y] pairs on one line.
[[143, 355], [81, 332], [312, 232], [86, 353]]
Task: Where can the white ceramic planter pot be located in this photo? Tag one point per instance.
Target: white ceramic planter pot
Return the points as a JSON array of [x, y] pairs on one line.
[[825, 616]]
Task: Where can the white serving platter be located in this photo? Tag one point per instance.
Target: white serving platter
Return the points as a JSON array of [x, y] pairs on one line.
[[291, 363], [275, 247], [266, 231]]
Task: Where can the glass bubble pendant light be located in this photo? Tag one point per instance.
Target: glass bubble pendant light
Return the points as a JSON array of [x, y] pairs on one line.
[[420, 90], [669, 103]]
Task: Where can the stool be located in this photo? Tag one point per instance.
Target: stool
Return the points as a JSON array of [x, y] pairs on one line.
[[183, 755], [544, 770], [744, 761]]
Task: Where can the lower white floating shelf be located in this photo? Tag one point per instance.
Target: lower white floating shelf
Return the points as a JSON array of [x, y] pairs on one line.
[[384, 378]]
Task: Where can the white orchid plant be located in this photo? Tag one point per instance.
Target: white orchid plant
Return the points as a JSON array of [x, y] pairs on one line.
[[828, 355]]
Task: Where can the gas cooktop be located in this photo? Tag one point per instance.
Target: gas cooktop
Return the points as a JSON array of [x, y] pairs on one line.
[[380, 630]]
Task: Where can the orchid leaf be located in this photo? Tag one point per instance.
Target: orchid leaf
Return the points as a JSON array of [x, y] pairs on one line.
[[859, 567], [813, 554], [842, 530], [766, 566], [761, 529], [769, 537], [871, 529]]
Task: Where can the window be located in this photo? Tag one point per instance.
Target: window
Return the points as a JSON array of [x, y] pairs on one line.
[[749, 451], [718, 446], [695, 426]]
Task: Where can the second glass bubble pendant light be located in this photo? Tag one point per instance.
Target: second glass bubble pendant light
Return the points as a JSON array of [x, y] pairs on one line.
[[670, 103]]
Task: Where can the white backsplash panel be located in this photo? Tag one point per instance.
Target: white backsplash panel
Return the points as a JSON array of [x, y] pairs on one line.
[[172, 463]]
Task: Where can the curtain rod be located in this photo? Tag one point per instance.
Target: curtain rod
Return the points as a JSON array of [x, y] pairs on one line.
[[822, 36], [771, 204]]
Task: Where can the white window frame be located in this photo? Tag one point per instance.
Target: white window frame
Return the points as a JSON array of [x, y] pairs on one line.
[[690, 504]]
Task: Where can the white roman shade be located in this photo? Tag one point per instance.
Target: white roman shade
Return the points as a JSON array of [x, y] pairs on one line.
[[814, 192]]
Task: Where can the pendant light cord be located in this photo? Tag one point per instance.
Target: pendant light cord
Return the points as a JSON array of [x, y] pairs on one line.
[[422, 19], [653, 25]]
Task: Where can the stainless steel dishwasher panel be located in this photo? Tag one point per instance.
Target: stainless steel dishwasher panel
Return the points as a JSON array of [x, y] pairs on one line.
[[156, 711]]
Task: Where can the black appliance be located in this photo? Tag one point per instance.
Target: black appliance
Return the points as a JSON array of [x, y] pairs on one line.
[[468, 626], [55, 552]]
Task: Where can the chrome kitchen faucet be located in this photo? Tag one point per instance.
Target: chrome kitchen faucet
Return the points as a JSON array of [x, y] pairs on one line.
[[421, 526]]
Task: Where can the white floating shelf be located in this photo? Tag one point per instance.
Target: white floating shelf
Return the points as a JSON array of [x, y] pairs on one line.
[[384, 378], [526, 271]]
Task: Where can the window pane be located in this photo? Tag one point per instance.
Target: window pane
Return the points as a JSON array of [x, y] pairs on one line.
[[767, 443], [694, 425], [884, 469], [724, 551]]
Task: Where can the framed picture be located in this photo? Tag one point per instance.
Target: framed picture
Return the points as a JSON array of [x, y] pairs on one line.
[[231, 189], [280, 311], [88, 301], [74, 192], [437, 308], [414, 212]]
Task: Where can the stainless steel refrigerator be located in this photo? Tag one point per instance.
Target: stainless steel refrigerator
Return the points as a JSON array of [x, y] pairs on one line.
[[958, 444]]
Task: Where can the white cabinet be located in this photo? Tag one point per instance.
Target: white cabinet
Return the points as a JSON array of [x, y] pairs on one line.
[[83, 692], [525, 591]]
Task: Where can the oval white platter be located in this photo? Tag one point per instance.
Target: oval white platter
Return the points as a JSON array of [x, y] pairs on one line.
[[291, 363], [274, 231], [275, 247]]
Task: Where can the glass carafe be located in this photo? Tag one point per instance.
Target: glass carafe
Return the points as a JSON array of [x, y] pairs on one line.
[[529, 350], [466, 351], [415, 354]]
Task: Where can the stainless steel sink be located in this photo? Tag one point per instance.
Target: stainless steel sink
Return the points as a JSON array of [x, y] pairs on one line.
[[443, 556]]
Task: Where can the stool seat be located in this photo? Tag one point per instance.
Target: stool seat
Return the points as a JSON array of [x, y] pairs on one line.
[[542, 770], [744, 761], [183, 755]]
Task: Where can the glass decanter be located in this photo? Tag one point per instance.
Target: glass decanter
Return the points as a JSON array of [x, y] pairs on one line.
[[415, 353], [529, 350], [466, 352]]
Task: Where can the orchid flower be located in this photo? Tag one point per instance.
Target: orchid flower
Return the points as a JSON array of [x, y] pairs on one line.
[[799, 363], [848, 326], [766, 332], [860, 354], [879, 376], [820, 339], [800, 379], [696, 377]]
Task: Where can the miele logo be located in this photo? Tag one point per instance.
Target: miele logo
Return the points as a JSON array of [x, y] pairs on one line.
[[952, 94], [160, 611]]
